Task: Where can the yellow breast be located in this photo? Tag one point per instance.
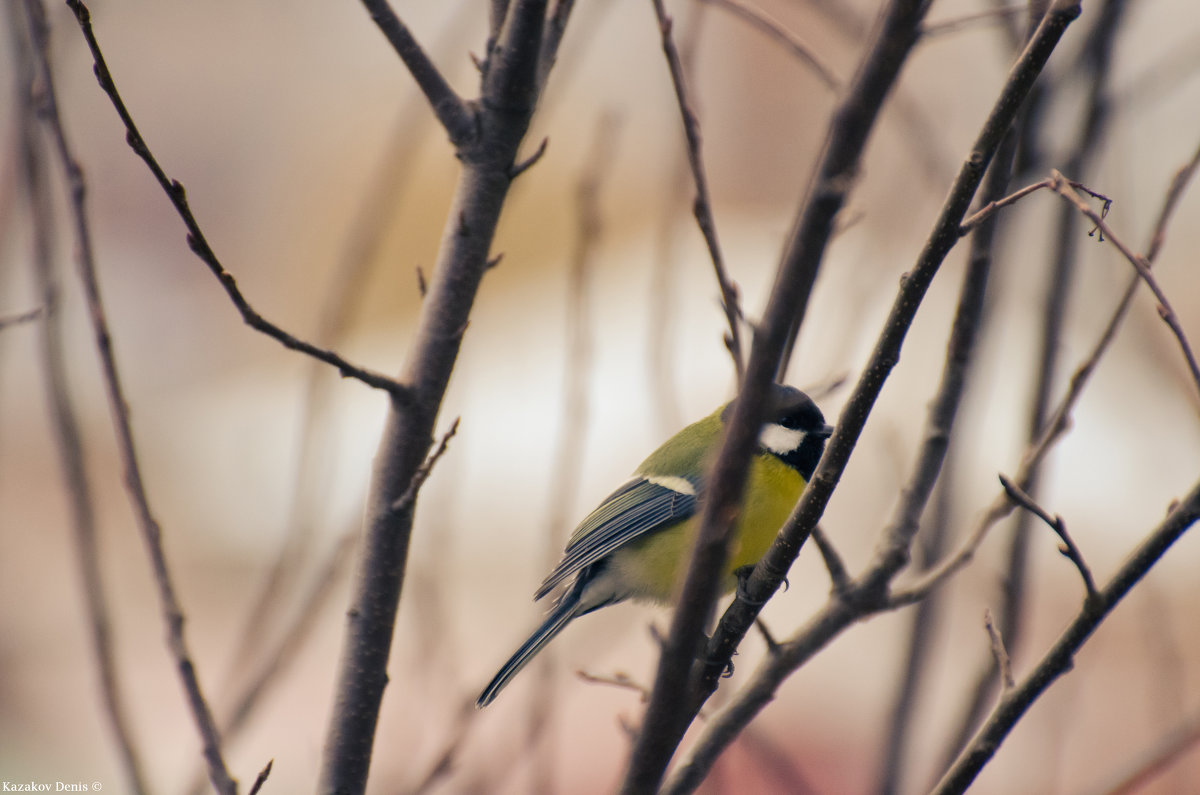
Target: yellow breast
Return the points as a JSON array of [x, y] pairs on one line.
[[652, 567]]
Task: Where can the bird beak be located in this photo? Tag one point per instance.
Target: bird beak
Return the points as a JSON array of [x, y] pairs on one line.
[[824, 432]]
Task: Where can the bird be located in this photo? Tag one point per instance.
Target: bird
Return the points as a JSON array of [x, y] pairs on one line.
[[637, 543]]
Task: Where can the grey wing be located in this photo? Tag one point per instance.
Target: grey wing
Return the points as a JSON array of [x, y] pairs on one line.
[[638, 507]]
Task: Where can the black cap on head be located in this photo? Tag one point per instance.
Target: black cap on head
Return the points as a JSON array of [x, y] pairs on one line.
[[793, 409]]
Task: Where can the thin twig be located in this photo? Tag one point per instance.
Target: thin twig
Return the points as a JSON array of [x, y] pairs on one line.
[[677, 695], [409, 497], [999, 653], [1139, 264], [342, 296], [455, 115], [285, 651], [556, 26], [999, 13], [838, 577], [122, 426], [262, 778], [1060, 658], [520, 168], [702, 208], [20, 318], [850, 424], [509, 94], [1059, 278], [1055, 523], [663, 312], [1179, 183], [775, 29], [930, 461], [992, 207], [32, 68], [891, 557], [195, 236], [619, 679]]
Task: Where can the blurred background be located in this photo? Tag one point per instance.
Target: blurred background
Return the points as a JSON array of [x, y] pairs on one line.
[[322, 182]]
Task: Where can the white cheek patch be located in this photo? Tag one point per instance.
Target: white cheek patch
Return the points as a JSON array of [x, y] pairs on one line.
[[676, 484], [780, 440]]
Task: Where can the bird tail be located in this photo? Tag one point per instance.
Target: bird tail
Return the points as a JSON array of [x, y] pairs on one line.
[[566, 610]]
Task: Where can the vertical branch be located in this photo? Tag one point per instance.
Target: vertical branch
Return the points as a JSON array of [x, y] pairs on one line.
[[349, 283], [118, 403], [1098, 55], [32, 158], [942, 413], [508, 97], [893, 551], [1061, 656], [702, 207], [676, 699], [663, 311]]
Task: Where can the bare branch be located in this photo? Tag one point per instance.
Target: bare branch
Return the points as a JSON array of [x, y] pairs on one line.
[[1055, 523], [262, 778], [509, 94], [520, 168], [21, 318], [1060, 658], [678, 696], [1139, 264], [619, 680], [998, 13], [556, 26], [775, 30], [779, 558], [118, 407], [1059, 418], [409, 497], [892, 557], [930, 463], [32, 69], [833, 561], [992, 207], [455, 115], [702, 208], [195, 237], [1179, 183], [999, 653]]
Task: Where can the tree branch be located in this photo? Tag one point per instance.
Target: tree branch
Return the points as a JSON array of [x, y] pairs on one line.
[[1060, 658], [195, 238], [757, 18], [33, 70], [118, 407], [702, 207], [675, 699], [508, 96], [1055, 523], [456, 116], [778, 559], [893, 553], [1141, 265]]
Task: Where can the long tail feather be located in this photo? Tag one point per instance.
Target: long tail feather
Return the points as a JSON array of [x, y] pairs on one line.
[[567, 609]]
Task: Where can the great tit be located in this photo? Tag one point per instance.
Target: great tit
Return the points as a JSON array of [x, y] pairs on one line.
[[637, 543]]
